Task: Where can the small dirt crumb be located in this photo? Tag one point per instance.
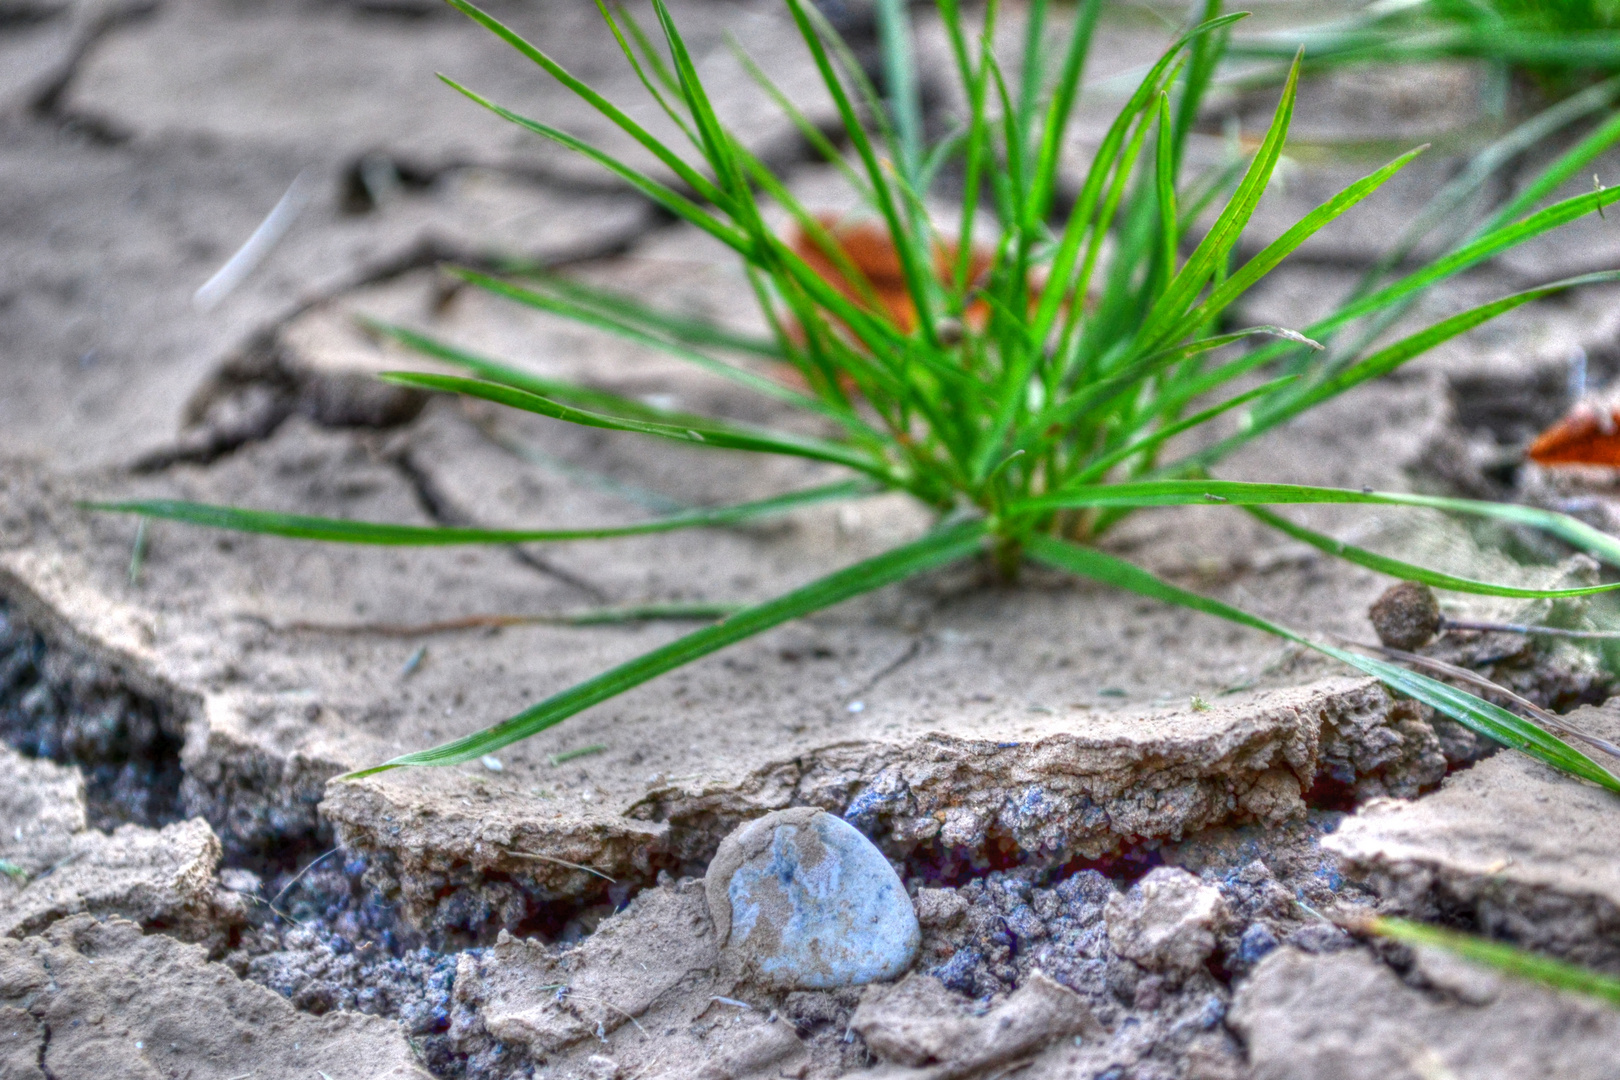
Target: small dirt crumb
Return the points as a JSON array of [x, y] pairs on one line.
[[1406, 616], [941, 908], [1166, 923]]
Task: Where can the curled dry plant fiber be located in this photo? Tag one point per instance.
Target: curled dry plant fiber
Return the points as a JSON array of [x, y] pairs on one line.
[[1027, 391]]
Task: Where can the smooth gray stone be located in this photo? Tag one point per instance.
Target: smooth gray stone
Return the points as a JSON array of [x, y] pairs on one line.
[[801, 900]]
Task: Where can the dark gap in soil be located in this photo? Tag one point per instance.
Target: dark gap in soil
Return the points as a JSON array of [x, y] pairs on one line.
[[254, 392], [326, 939], [370, 180], [323, 938], [22, 16], [935, 865], [1328, 793], [330, 935], [76, 710]]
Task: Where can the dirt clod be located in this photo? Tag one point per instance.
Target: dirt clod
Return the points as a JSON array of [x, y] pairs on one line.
[[1350, 1017], [1510, 846], [917, 1022], [112, 1001], [1167, 922], [1406, 616]]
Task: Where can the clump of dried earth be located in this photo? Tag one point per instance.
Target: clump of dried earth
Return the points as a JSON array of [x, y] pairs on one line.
[[1127, 832]]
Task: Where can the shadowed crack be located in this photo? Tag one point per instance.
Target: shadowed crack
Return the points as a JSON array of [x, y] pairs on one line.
[[441, 509], [92, 21], [76, 710]]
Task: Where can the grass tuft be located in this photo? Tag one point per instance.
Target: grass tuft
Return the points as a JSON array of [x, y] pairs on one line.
[[1029, 390]]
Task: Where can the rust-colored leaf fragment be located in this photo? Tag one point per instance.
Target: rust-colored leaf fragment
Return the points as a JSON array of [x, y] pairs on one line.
[[1588, 435], [867, 246]]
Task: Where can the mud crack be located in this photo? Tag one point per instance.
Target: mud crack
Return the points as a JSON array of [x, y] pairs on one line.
[[76, 710]]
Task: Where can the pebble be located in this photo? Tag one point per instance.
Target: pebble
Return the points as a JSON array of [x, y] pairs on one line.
[[802, 901]]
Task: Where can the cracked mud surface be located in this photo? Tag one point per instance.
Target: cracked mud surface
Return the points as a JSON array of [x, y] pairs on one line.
[[1114, 880]]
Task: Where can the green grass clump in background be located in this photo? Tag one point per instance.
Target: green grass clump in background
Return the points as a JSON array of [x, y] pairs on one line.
[[1559, 46], [1030, 398]]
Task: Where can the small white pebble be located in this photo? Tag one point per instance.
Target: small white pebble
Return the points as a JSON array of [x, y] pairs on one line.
[[139, 1045], [492, 763], [856, 706]]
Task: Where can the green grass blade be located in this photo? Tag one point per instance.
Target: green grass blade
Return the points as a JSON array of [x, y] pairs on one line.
[[1393, 356], [1097, 393], [1031, 74], [656, 321], [1473, 713], [1060, 107], [1471, 254], [1140, 493], [712, 433], [716, 142], [1100, 466], [937, 549], [1447, 207], [635, 64], [1501, 956], [1568, 164], [1407, 571], [1207, 52], [1250, 273], [913, 265], [664, 196], [900, 75], [603, 320], [341, 531], [1212, 250], [655, 59], [1061, 286], [807, 130], [690, 176], [494, 371], [1478, 715], [1164, 184]]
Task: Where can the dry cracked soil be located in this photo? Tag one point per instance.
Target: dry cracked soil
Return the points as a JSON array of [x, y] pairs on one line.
[[1130, 835]]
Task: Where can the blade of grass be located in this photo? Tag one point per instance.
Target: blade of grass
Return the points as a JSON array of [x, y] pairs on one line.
[[1101, 465], [1060, 284], [807, 130], [1499, 955], [606, 321], [1059, 108], [1388, 359], [1164, 183], [630, 54], [912, 268], [655, 321], [1094, 394], [1476, 251], [664, 196], [493, 371], [1267, 259], [690, 176], [711, 433], [1473, 713], [342, 531], [1228, 227], [939, 548], [1407, 571], [1571, 530], [900, 77]]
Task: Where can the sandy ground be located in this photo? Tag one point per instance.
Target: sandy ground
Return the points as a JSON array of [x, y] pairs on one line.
[[1024, 754]]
